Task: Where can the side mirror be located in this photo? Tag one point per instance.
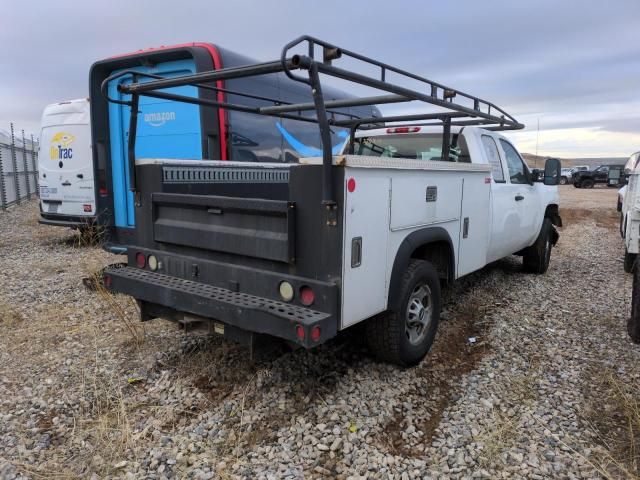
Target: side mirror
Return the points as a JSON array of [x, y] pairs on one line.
[[552, 171]]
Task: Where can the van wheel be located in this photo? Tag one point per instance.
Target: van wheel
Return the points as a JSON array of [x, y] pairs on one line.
[[588, 183], [633, 325], [536, 258], [629, 259], [405, 336]]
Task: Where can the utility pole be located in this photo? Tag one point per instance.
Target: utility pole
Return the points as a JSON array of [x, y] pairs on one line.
[[537, 137]]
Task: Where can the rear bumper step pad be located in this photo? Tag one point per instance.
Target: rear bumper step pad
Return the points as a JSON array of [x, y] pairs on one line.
[[249, 312]]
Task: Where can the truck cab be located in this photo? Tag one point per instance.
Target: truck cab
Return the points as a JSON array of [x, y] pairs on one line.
[[516, 205]]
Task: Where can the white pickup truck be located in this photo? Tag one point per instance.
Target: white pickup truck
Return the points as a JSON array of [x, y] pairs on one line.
[[302, 251]]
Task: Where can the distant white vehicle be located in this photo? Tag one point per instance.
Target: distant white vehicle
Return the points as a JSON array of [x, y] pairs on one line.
[[629, 205], [67, 191]]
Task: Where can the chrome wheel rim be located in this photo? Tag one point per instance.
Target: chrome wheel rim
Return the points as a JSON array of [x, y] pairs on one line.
[[419, 314]]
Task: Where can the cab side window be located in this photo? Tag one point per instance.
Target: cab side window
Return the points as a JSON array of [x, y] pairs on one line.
[[491, 150], [517, 170]]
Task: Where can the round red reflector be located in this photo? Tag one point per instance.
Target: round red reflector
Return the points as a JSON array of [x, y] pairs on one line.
[[106, 280], [141, 260], [307, 296], [351, 184], [315, 333], [300, 332]]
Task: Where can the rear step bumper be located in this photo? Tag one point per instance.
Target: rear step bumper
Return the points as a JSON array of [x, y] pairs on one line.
[[241, 310], [66, 220]]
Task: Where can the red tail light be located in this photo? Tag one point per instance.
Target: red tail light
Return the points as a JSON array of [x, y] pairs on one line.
[[307, 296], [141, 260], [315, 333], [103, 191], [106, 280], [300, 332], [403, 130]]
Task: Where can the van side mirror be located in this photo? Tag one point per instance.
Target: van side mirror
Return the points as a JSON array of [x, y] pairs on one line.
[[552, 171]]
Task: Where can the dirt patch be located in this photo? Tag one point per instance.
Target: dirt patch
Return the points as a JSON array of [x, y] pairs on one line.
[[601, 217]]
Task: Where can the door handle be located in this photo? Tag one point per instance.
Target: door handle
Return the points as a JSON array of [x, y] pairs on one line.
[[80, 175], [67, 183], [519, 197]]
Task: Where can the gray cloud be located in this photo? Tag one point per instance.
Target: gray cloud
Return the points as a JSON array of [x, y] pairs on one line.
[[572, 63]]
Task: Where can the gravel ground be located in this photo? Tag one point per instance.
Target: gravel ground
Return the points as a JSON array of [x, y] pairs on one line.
[[548, 389]]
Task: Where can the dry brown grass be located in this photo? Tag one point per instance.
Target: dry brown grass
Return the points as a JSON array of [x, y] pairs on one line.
[[613, 414], [9, 317], [498, 439], [122, 307]]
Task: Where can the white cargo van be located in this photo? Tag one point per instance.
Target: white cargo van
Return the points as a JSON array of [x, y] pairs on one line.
[[65, 163]]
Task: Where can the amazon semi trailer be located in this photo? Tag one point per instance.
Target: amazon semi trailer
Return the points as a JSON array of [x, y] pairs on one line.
[[65, 164], [303, 250], [198, 129]]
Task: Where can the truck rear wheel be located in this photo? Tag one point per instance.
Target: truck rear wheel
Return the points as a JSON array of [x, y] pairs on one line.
[[563, 180], [629, 259], [633, 325], [588, 183], [405, 336], [536, 257]]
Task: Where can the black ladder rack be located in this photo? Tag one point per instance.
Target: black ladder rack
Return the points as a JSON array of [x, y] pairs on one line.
[[452, 112]]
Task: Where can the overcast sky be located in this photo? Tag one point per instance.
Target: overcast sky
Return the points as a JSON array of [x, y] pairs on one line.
[[572, 65]]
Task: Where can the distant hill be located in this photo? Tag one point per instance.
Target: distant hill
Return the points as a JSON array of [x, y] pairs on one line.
[[537, 161]]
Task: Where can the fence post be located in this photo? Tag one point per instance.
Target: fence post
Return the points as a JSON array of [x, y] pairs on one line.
[[14, 161], [26, 166], [3, 195], [36, 173]]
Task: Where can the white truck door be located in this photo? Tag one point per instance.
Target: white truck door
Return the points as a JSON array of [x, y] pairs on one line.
[[525, 196], [505, 220], [473, 238]]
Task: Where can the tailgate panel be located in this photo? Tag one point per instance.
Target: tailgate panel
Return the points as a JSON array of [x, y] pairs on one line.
[[244, 226]]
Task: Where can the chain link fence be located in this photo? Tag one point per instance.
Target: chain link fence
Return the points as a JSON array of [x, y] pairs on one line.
[[18, 168]]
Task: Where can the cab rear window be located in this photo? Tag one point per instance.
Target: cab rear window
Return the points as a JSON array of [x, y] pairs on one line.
[[416, 147]]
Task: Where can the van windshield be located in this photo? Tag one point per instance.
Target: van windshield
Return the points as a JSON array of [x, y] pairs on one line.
[[422, 146]]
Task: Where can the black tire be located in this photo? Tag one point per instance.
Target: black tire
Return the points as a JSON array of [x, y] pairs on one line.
[[629, 260], [587, 183], [563, 180], [389, 335], [633, 325], [576, 184], [536, 258]]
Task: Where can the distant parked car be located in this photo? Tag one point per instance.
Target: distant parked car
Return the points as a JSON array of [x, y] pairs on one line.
[[566, 176], [589, 178]]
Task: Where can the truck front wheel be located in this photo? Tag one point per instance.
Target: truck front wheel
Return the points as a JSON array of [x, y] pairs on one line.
[[588, 183], [536, 257], [629, 259], [405, 336]]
